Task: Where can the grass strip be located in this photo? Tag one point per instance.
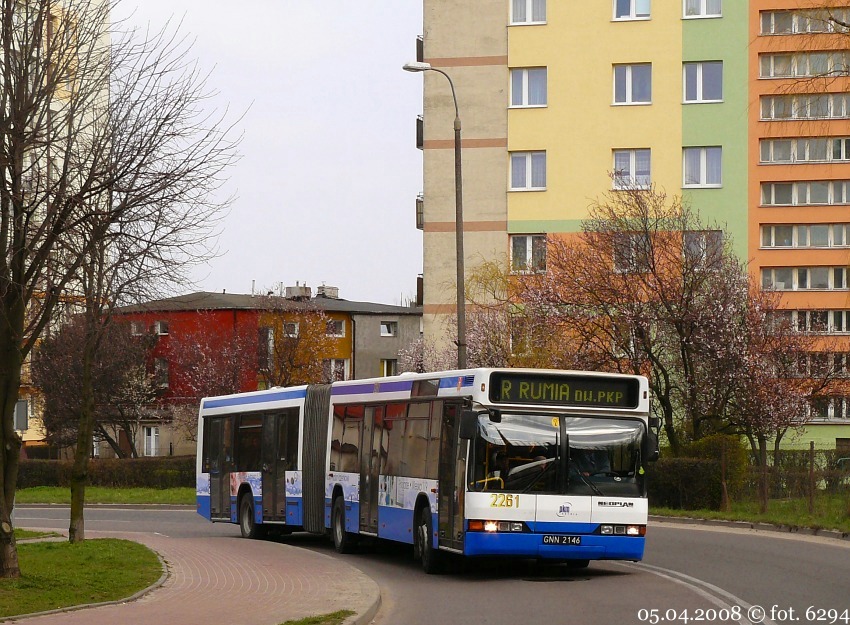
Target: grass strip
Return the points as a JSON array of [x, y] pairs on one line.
[[831, 512], [335, 618], [102, 494], [60, 574]]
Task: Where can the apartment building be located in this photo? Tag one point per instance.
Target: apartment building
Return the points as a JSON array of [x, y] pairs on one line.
[[740, 107]]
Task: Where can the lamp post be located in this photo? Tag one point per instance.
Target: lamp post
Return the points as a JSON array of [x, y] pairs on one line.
[[461, 296]]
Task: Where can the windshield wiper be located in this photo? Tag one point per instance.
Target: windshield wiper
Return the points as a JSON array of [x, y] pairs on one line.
[[589, 484]]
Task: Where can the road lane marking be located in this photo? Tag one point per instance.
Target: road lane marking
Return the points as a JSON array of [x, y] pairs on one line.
[[706, 590]]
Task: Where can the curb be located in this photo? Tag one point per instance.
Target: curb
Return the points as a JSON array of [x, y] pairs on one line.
[[367, 616], [116, 506], [748, 525]]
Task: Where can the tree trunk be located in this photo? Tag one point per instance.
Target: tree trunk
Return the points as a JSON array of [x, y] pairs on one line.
[[85, 436], [10, 441], [764, 481]]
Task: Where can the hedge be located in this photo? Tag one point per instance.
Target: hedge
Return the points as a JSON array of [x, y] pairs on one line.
[[164, 472], [684, 483]]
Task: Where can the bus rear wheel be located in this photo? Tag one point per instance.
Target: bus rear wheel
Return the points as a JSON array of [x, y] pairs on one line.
[[344, 542], [431, 558], [578, 564], [247, 523]]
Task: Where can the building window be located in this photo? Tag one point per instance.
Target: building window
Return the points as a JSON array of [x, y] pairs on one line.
[[803, 64], [819, 321], [336, 327], [528, 171], [22, 415], [265, 347], [528, 11], [151, 435], [632, 252], [804, 278], [137, 328], [805, 150], [528, 252], [703, 8], [160, 372], [633, 84], [805, 235], [703, 248], [335, 369], [703, 81], [816, 192], [805, 106], [161, 328], [528, 87], [702, 167], [290, 329], [389, 328], [631, 9], [632, 169], [826, 408], [793, 22], [389, 367]]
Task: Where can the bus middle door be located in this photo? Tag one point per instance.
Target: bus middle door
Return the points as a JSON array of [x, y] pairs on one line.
[[370, 462], [274, 492]]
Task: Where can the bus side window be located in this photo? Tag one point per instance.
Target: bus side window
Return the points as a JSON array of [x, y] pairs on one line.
[[434, 440], [336, 437], [248, 443], [292, 423]]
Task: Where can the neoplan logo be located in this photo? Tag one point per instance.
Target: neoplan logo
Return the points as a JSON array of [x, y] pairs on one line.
[[615, 504]]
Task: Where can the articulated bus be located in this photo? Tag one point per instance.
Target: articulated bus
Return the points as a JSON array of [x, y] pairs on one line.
[[482, 462]]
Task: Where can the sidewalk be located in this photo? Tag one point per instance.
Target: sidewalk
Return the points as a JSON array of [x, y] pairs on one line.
[[232, 581]]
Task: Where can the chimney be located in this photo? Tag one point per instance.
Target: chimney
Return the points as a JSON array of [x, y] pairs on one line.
[[329, 292]]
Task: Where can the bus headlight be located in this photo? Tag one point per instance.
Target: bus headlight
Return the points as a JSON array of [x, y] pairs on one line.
[[622, 530]]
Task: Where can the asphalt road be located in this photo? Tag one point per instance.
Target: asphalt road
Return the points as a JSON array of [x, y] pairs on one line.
[[689, 575]]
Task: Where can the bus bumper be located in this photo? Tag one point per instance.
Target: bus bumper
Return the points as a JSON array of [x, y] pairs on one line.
[[527, 545]]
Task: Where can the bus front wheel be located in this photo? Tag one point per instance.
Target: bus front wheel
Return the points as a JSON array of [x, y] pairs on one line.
[[343, 541], [430, 557]]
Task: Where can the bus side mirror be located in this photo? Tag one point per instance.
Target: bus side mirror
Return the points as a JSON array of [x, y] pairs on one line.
[[650, 451], [468, 425]]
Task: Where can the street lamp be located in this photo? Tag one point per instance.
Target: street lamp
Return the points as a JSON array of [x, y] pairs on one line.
[[461, 296]]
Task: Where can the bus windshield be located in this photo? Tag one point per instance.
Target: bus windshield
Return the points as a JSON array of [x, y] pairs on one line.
[[523, 454]]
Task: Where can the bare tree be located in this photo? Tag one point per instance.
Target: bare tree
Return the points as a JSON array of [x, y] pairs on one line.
[[121, 385], [104, 144]]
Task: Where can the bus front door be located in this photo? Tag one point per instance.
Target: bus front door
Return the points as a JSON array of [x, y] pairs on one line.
[[451, 477], [219, 462], [370, 460]]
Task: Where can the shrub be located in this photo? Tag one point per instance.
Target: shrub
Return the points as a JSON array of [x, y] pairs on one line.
[[736, 451], [685, 483], [160, 472]]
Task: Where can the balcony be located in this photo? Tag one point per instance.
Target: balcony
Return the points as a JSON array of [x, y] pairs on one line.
[[420, 212]]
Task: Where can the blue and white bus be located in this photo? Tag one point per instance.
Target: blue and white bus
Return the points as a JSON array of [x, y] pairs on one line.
[[482, 462]]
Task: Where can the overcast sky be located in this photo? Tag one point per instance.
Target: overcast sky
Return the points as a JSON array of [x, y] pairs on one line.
[[329, 173]]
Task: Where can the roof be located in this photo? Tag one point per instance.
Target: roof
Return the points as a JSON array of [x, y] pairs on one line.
[[203, 300]]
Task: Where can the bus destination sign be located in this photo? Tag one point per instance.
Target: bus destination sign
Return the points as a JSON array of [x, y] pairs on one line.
[[508, 387]]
